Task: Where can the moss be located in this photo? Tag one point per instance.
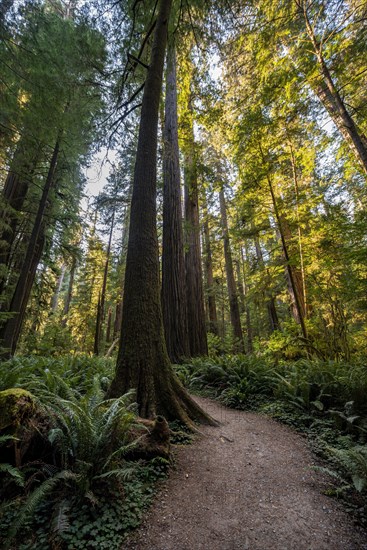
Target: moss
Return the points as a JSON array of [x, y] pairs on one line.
[[15, 405]]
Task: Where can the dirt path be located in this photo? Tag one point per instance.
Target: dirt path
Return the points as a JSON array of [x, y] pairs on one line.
[[246, 485]]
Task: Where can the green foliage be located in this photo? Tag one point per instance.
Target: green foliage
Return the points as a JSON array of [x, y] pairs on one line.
[[79, 372], [353, 463], [235, 379], [82, 493]]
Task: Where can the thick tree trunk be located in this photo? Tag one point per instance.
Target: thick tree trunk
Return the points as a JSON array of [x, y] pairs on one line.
[[13, 196], [231, 283], [143, 361], [10, 331], [174, 307], [194, 277], [210, 291]]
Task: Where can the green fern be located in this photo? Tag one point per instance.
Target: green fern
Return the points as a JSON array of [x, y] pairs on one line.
[[353, 462]]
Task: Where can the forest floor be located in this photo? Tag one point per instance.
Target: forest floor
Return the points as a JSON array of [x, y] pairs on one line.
[[245, 485]]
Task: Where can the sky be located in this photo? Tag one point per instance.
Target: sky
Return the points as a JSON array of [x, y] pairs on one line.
[[96, 174]]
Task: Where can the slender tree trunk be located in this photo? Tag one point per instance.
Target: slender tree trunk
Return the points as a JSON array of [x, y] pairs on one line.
[[231, 283], [55, 297], [210, 291], [298, 281], [299, 231], [10, 331], [109, 326], [242, 293], [143, 361], [270, 303], [174, 307], [69, 294], [118, 320], [332, 101], [98, 335], [295, 290]]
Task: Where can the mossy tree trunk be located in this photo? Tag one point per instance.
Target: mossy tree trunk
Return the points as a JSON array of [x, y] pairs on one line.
[[143, 361]]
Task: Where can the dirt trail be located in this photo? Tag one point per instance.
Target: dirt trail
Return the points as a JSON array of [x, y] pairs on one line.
[[247, 485]]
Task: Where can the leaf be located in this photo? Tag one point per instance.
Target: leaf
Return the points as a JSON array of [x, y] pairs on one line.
[[359, 483], [14, 473], [318, 405]]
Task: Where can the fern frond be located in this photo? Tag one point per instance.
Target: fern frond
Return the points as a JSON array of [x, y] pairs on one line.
[[15, 473]]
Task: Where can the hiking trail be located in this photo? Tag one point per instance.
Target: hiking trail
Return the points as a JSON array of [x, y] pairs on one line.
[[245, 485]]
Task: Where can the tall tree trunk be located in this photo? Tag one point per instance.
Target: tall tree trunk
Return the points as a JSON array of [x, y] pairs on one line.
[[143, 361], [333, 102], [10, 331], [270, 303], [174, 307], [13, 196], [210, 291], [55, 297], [299, 231], [292, 282], [69, 294], [242, 292], [194, 277], [109, 326], [231, 283], [98, 335]]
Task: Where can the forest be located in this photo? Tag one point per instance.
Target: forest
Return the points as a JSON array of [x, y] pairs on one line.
[[183, 213]]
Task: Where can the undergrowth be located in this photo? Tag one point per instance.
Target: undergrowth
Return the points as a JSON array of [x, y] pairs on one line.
[[81, 491]]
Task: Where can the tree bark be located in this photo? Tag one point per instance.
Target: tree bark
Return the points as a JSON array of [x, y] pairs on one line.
[[231, 283], [290, 274], [13, 196], [55, 297], [270, 303], [210, 291], [10, 331], [242, 293], [98, 336], [143, 361], [69, 294], [194, 277], [174, 307]]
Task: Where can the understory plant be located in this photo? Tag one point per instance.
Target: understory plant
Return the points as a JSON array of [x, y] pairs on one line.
[[78, 489]]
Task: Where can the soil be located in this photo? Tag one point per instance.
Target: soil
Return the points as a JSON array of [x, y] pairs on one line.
[[245, 485]]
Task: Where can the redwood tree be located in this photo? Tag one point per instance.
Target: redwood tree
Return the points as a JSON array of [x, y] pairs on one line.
[[173, 261], [143, 361]]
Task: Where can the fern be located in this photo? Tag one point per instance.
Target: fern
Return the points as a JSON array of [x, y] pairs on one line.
[[13, 472], [353, 461]]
